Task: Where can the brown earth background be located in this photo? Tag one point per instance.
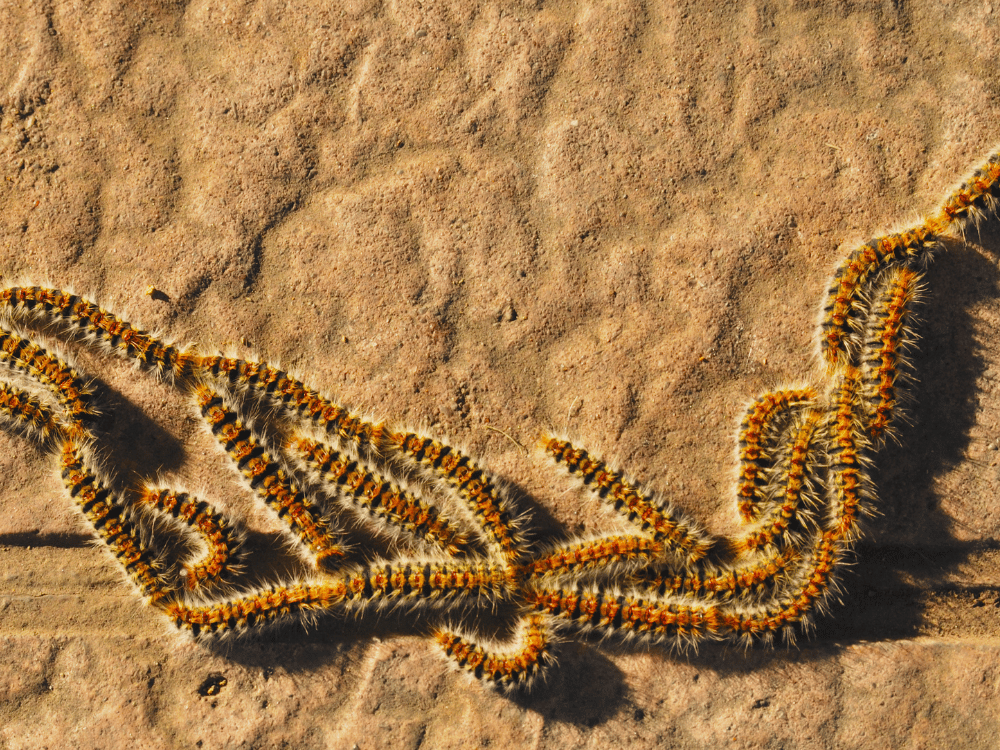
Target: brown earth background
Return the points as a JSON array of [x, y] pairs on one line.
[[615, 220]]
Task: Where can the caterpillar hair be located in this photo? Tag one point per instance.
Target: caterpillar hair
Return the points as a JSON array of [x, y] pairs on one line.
[[797, 497], [758, 438], [76, 398], [113, 522], [379, 499], [611, 555], [222, 537], [305, 520], [659, 520], [493, 512], [516, 666], [295, 398], [886, 365]]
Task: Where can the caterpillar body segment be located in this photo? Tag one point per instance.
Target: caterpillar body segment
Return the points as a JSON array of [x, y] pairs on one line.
[[412, 585], [849, 458], [296, 399], [661, 522], [99, 325], [114, 522], [71, 391], [306, 521], [484, 497], [760, 441], [22, 410], [629, 615], [394, 510], [429, 583], [516, 666], [756, 578], [886, 362], [254, 611], [222, 538], [806, 593], [852, 281], [796, 498], [974, 200], [614, 554]]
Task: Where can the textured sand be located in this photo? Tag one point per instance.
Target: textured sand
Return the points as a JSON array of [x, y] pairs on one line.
[[615, 220]]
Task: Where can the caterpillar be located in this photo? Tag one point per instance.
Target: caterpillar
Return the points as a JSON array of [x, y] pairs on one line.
[[804, 486]]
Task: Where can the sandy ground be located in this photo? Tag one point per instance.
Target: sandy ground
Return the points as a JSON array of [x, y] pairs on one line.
[[615, 220]]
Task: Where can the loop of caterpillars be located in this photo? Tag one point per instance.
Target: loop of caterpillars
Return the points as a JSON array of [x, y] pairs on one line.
[[802, 488]]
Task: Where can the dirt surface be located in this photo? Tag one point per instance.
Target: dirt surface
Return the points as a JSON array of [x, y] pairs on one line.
[[612, 220]]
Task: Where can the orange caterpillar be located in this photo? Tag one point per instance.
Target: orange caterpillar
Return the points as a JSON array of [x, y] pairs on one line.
[[222, 538], [803, 487]]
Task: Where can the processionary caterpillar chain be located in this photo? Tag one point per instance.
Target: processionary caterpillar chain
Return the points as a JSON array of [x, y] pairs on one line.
[[803, 487], [305, 520], [222, 561], [974, 200], [399, 511]]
